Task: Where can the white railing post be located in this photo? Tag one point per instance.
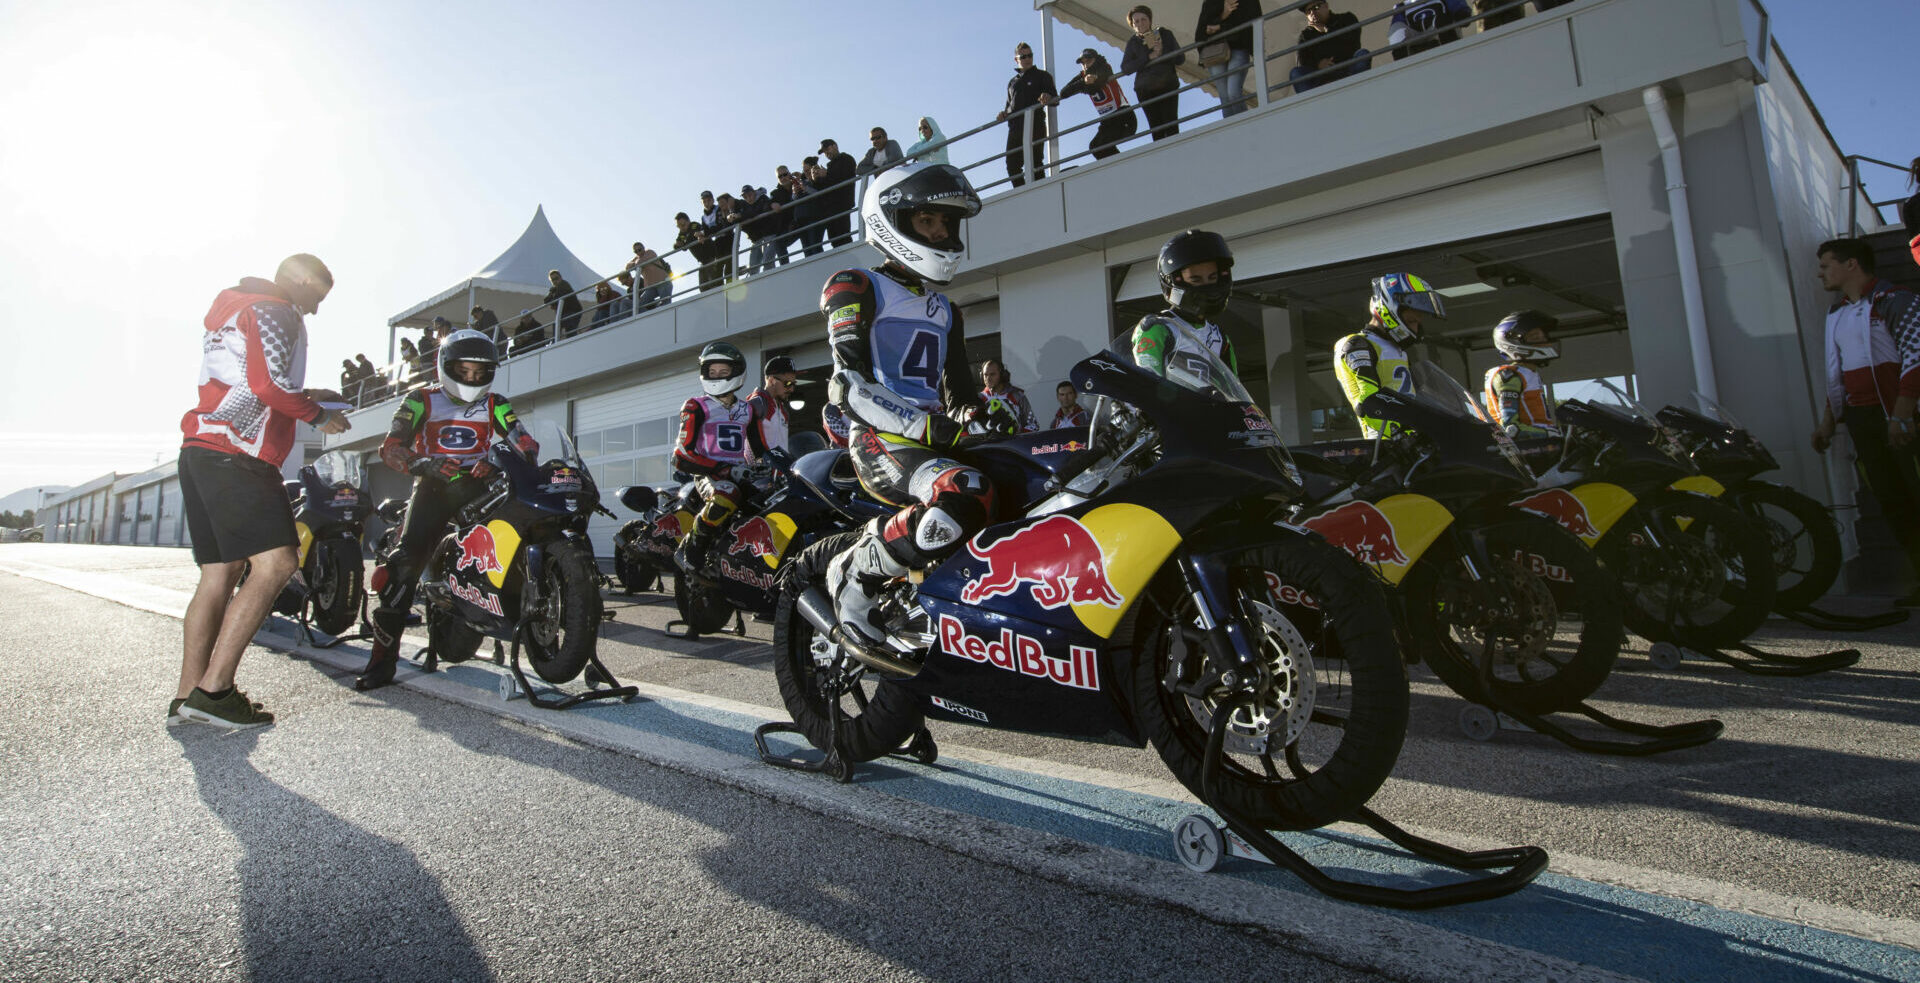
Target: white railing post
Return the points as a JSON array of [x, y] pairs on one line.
[[1026, 144], [1260, 61]]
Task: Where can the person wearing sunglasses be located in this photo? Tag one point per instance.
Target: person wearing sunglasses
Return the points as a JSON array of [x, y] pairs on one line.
[[1030, 89]]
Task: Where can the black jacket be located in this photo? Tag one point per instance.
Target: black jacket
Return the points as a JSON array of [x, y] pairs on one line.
[[563, 292], [1239, 40], [1162, 74], [1333, 44], [840, 169], [755, 217], [1025, 89]]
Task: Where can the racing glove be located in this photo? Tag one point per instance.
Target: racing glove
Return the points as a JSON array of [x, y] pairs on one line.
[[444, 468], [481, 469]]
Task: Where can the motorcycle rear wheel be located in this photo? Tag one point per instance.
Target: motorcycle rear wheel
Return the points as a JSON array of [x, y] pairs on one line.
[[882, 715], [632, 576], [336, 585], [1806, 543], [452, 639], [701, 607], [1709, 585], [1540, 662], [1343, 713], [564, 631]]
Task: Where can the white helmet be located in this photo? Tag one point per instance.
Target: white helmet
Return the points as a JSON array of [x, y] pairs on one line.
[[898, 192], [467, 345], [722, 352], [1510, 336]]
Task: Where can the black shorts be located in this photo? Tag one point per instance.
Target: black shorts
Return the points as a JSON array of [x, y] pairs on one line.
[[236, 505]]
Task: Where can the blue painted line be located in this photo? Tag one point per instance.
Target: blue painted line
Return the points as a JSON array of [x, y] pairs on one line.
[[1611, 928]]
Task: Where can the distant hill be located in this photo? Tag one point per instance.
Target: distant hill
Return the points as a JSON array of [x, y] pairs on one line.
[[28, 498]]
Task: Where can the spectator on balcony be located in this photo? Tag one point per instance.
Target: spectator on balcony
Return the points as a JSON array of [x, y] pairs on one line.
[[606, 302], [752, 214], [1030, 88], [1328, 43], [1491, 16], [1421, 25], [1156, 75], [1910, 210], [1229, 21], [837, 193], [882, 154], [692, 237], [719, 237], [482, 320], [566, 306], [1070, 413], [415, 365], [373, 383], [781, 201], [350, 380], [996, 383], [430, 337], [929, 149], [807, 211], [653, 273], [1117, 122], [528, 334]]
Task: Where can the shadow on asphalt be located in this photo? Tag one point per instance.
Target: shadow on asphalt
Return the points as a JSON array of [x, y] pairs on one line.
[[298, 926]]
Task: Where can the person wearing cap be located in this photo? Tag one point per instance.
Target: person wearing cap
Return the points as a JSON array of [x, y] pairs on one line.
[[1030, 89], [837, 192], [882, 154], [753, 215], [1117, 122], [772, 417]]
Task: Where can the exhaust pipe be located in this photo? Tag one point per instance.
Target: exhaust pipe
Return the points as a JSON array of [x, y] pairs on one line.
[[818, 610]]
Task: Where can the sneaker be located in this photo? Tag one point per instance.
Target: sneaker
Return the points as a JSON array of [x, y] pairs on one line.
[[233, 712], [173, 713]]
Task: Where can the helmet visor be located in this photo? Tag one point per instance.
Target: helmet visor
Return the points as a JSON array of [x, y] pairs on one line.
[[934, 226], [1425, 301]]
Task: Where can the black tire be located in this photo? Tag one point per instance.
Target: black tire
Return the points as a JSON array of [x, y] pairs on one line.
[[1709, 585], [562, 634], [626, 573], [335, 587], [1359, 715], [701, 607], [1550, 634], [1806, 542], [882, 716], [452, 640]]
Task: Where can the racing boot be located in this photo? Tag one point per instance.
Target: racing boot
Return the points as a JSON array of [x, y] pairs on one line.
[[691, 557], [387, 625], [854, 581]]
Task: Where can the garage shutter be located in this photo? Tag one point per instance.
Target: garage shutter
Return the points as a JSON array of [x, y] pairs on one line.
[[626, 438]]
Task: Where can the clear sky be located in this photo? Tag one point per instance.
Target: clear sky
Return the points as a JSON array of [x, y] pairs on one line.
[[154, 152]]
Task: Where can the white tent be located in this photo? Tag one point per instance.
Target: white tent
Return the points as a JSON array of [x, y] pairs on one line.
[[511, 285]]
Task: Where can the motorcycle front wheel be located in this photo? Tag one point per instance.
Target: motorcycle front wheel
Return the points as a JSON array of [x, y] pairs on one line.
[[1546, 621], [452, 640], [1326, 731], [563, 632], [876, 716], [701, 607], [335, 581], [1695, 571]]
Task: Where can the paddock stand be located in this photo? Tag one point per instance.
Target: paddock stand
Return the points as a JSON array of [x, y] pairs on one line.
[[1822, 620], [834, 763], [1200, 843], [1669, 655], [601, 684], [305, 622], [1480, 722]]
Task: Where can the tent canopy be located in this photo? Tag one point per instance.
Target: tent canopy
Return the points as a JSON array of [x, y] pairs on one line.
[[512, 283]]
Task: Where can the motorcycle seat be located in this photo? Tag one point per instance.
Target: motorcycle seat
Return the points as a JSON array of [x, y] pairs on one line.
[[844, 478]]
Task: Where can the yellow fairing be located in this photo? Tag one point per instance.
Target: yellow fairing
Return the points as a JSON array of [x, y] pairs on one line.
[[1700, 484], [1417, 521], [1605, 504], [506, 545], [685, 518], [783, 528], [1135, 541], [306, 540]]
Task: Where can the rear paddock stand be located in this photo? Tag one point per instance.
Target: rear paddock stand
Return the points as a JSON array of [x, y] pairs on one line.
[[1822, 620], [601, 684], [1200, 843], [305, 622], [834, 762], [1669, 656], [1482, 723]]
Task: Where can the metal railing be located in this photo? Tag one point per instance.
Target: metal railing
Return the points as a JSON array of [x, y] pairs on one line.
[[1857, 191], [542, 325]]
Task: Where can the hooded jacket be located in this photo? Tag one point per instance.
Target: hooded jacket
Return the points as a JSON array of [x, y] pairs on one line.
[[919, 150], [253, 367]]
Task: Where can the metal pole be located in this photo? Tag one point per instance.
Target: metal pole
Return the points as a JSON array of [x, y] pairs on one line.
[[1687, 256], [1260, 61], [1026, 144], [1053, 124], [1853, 195]]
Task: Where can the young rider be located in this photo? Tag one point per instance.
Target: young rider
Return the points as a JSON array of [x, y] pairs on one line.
[[1196, 279], [440, 435], [1516, 396], [1375, 357], [900, 369], [717, 438]]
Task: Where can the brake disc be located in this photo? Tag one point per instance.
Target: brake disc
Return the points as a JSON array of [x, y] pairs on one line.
[[1285, 706]]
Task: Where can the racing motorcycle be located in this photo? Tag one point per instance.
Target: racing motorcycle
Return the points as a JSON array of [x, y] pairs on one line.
[[330, 508], [643, 548], [518, 567], [1806, 542], [1694, 571], [1509, 609]]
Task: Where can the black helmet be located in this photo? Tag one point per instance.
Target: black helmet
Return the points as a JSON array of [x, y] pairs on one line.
[[1184, 250], [720, 351], [467, 345]]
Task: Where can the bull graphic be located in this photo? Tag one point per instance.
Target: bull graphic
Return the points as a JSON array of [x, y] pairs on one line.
[[1057, 556], [1363, 531]]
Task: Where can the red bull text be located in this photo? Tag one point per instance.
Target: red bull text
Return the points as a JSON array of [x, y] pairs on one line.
[[476, 597], [1562, 507], [477, 551], [1361, 530], [1285, 593], [1021, 654], [1057, 557]]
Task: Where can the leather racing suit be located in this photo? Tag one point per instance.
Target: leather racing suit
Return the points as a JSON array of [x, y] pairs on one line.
[[1516, 397], [1366, 362]]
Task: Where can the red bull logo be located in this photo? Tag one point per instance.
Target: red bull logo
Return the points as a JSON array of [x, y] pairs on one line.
[[1022, 654], [667, 525], [1057, 557], [1361, 530], [477, 551], [1562, 507], [753, 537]]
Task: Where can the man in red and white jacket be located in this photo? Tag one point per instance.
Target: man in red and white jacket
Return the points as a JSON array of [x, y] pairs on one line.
[[253, 363], [1117, 122], [1873, 381]]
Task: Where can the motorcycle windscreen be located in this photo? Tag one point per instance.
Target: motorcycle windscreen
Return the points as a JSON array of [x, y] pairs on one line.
[[337, 468]]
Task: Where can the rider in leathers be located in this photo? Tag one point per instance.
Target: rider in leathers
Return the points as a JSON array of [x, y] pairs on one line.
[[718, 437], [1196, 279], [1516, 396], [440, 434], [1375, 357], [901, 377]]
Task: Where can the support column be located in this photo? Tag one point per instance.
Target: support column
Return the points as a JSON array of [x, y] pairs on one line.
[[1289, 399]]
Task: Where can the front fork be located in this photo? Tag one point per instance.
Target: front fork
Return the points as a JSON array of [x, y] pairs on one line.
[[1233, 657]]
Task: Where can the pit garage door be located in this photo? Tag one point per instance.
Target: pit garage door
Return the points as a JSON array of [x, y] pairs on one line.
[[626, 438]]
